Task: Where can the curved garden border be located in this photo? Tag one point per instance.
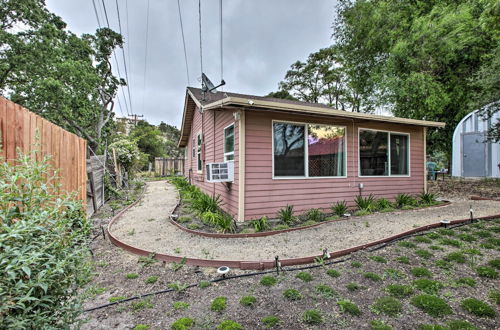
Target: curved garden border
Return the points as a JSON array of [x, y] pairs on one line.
[[479, 198], [276, 232], [263, 264]]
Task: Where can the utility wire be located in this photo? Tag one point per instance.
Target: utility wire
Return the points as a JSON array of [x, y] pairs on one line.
[[183, 42], [145, 57], [96, 15], [128, 35], [123, 55], [201, 48], [221, 45]]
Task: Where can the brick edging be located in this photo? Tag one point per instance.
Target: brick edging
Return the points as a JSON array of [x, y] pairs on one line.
[[479, 198], [276, 232]]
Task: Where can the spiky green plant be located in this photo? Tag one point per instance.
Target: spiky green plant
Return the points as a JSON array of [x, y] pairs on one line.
[[365, 203], [286, 215], [339, 208]]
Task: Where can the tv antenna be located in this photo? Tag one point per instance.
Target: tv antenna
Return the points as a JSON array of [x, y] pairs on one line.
[[208, 86]]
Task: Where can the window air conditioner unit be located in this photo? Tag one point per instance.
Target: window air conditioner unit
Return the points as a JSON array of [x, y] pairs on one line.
[[220, 172]]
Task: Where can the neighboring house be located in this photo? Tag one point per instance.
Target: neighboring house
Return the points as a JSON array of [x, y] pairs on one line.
[[303, 154], [472, 155]]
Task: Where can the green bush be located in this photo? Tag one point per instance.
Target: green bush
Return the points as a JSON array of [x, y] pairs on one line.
[[478, 307], [180, 305], [365, 203], [466, 281], [339, 208], [43, 247], [292, 294], [399, 290], [333, 273], [372, 276], [312, 317], [268, 280], [404, 200], [261, 224], [428, 286], [457, 257], [248, 300], [183, 323], [304, 276], [356, 264], [421, 272], [383, 204], [379, 325], [403, 260], [325, 291], [271, 321], [315, 215], [432, 305], [286, 215], [387, 305], [229, 325], [427, 198], [218, 304], [349, 307], [485, 271]]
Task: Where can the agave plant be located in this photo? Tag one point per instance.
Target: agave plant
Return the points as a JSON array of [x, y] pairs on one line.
[[286, 215], [225, 223], [383, 204], [427, 198], [365, 203], [314, 215], [339, 208], [404, 200], [202, 203], [261, 224]]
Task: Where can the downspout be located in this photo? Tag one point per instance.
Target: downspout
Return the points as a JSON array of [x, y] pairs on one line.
[[424, 132], [241, 168]]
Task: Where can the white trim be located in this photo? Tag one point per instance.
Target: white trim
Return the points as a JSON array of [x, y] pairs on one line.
[[241, 167], [198, 152], [306, 152], [224, 143], [389, 175]]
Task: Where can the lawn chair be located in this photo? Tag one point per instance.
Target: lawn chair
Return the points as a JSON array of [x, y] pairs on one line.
[[431, 170]]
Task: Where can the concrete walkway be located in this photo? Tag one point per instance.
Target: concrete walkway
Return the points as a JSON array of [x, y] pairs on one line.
[[147, 226]]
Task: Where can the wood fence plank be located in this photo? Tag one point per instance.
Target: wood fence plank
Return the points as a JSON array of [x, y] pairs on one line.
[[27, 127], [10, 140], [19, 133]]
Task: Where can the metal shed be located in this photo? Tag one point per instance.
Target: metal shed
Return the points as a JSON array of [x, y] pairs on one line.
[[472, 155]]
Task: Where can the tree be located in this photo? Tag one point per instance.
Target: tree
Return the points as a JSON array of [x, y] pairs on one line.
[[148, 139], [171, 135]]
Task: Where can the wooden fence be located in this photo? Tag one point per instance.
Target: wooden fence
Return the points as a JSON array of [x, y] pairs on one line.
[[167, 166], [95, 185], [20, 128]]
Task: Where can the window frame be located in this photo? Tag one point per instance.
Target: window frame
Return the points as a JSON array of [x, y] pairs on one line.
[[199, 161], [224, 142], [389, 175], [306, 151]]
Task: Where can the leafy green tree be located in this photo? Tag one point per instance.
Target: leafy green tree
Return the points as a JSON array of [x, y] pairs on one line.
[[171, 136], [149, 139], [281, 94]]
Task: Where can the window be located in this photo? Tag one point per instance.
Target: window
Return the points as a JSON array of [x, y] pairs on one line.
[[308, 150], [199, 139], [378, 149], [229, 143]]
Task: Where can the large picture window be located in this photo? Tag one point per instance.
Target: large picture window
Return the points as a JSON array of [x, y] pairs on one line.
[[383, 153], [308, 150], [229, 143]]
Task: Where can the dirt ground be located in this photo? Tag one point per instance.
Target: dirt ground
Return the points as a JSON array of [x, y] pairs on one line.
[[462, 189], [146, 226]]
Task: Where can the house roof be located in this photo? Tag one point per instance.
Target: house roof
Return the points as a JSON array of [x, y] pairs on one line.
[[194, 99]]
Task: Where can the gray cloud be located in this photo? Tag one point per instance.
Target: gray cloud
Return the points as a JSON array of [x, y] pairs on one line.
[[261, 40]]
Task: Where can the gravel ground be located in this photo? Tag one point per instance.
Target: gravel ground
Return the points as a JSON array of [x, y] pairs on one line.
[[146, 226]]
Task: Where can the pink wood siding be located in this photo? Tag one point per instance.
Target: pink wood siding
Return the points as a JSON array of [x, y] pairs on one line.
[[214, 152], [265, 195]]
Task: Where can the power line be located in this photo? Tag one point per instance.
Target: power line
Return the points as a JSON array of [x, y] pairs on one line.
[[123, 55], [201, 48], [221, 44], [128, 34], [145, 57], [96, 15], [183, 41]]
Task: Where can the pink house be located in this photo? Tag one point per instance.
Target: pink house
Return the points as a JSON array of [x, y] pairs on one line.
[[297, 153]]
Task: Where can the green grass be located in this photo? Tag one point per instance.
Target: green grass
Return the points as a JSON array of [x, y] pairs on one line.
[[433, 235], [151, 279], [204, 284], [141, 304], [379, 259], [268, 280], [457, 257], [407, 244], [333, 273], [193, 226], [356, 264], [325, 291], [403, 260], [428, 286], [304, 276], [467, 238], [450, 242], [292, 294], [424, 254], [460, 325], [478, 307], [436, 248], [141, 327], [182, 324], [349, 307], [389, 306], [131, 276], [312, 317], [352, 286], [379, 325], [446, 232], [180, 305], [443, 264], [486, 271], [218, 304], [393, 273], [482, 234], [466, 281], [372, 276], [422, 239], [421, 272], [494, 263], [399, 290], [271, 321], [248, 301], [495, 296], [184, 219], [229, 325], [432, 305], [116, 299]]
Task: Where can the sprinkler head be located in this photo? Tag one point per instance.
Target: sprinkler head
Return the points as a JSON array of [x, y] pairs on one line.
[[445, 223], [223, 270], [174, 216]]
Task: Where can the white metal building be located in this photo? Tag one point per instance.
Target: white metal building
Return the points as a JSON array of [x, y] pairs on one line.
[[472, 155]]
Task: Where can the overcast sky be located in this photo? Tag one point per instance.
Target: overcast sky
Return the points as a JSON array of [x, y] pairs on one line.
[[261, 38]]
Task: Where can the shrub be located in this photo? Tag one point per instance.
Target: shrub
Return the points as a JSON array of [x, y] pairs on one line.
[[261, 224], [180, 305], [372, 276], [383, 204], [404, 200], [466, 281], [349, 307], [202, 203], [422, 239], [379, 325], [379, 259], [292, 294], [218, 304], [248, 300], [339, 208], [495, 296], [403, 259], [225, 223], [424, 254], [271, 321], [268, 280], [456, 257], [304, 276], [478, 307], [229, 325], [286, 215], [325, 291], [421, 272], [431, 305], [312, 316], [43, 247], [428, 286], [183, 323], [315, 215], [351, 286], [131, 276], [365, 203], [427, 198], [485, 271], [387, 305], [333, 273], [399, 290]]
